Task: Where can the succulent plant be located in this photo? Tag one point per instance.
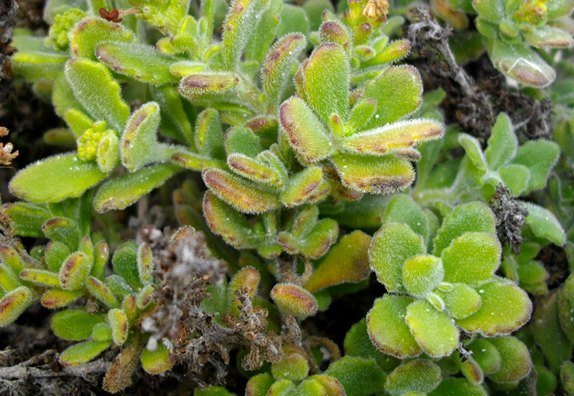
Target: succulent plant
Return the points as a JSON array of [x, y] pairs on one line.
[[226, 176], [432, 297]]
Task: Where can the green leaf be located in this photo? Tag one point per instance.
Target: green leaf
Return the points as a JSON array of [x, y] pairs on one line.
[[515, 177], [40, 277], [292, 19], [101, 292], [157, 361], [491, 10], [83, 352], [472, 148], [502, 144], [89, 32], [238, 28], [461, 300], [516, 361], [118, 321], [13, 304], [26, 219], [55, 178], [326, 78], [520, 62], [259, 384], [97, 91], [415, 376], [359, 376], [391, 246], [539, 156], [401, 208], [374, 175], [505, 308], [122, 191], [254, 169], [398, 92], [242, 195], [433, 330], [544, 224], [63, 230], [387, 328], [74, 271], [140, 62], [458, 386], [421, 274], [346, 262], [209, 134], [548, 334], [138, 145], [305, 187], [358, 343], [278, 63], [471, 258], [305, 133], [124, 262], [38, 66], [74, 324], [231, 225], [468, 217], [294, 300], [58, 298], [292, 366], [393, 137], [486, 355]]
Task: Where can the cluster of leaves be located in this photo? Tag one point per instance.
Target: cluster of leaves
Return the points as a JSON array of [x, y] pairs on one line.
[[514, 33], [302, 128]]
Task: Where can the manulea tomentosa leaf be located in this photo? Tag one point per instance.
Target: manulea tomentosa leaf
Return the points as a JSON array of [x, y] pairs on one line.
[[505, 308], [502, 144], [124, 190], [138, 145], [469, 217], [393, 137], [398, 92], [544, 224], [224, 220], [390, 247], [89, 32], [539, 156], [326, 76], [515, 360], [13, 303], [414, 376], [347, 261], [278, 62], [140, 62], [305, 132], [241, 194], [387, 328], [97, 91], [433, 330], [471, 258], [374, 175], [55, 179]]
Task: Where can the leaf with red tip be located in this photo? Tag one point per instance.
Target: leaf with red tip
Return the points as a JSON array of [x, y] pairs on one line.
[[13, 304], [231, 225], [346, 262], [393, 137], [305, 132], [241, 194], [278, 62], [74, 271], [118, 321], [307, 186], [373, 175], [294, 300]]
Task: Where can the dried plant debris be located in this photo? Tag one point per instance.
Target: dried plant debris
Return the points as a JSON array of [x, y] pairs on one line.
[[510, 217], [475, 96]]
